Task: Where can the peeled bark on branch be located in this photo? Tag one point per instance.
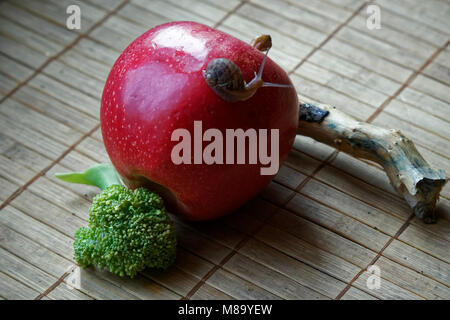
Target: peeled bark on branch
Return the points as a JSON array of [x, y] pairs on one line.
[[407, 170]]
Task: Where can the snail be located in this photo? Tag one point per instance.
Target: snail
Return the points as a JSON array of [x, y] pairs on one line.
[[225, 78]]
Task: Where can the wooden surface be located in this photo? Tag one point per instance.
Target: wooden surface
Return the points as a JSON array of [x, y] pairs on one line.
[[312, 233]]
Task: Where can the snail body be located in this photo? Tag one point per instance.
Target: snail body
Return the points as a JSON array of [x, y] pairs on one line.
[[225, 78]]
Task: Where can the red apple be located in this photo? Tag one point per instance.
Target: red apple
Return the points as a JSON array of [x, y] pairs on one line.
[[157, 86]]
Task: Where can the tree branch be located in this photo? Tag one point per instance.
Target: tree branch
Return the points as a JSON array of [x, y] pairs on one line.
[[407, 170]]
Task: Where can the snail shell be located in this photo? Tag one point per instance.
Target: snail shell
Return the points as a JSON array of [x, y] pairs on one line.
[[225, 78]]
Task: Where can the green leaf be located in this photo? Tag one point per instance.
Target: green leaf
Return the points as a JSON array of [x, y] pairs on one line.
[[101, 175]]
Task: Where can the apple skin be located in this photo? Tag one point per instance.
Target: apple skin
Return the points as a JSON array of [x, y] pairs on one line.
[[157, 86]]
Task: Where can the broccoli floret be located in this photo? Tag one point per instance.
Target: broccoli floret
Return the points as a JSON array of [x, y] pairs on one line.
[[128, 231]]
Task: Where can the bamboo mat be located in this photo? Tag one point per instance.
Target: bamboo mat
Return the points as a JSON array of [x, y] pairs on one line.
[[317, 227]]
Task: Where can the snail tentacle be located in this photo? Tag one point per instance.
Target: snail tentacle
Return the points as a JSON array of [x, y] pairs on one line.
[[276, 85]]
